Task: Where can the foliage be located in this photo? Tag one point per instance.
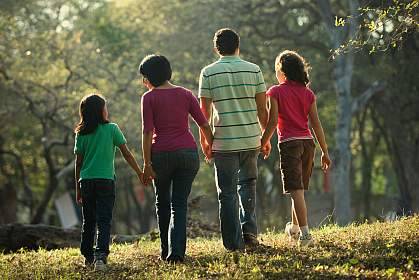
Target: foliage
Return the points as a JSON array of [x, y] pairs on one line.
[[380, 250], [383, 26]]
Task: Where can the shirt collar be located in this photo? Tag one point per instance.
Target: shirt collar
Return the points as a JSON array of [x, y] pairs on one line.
[[229, 58]]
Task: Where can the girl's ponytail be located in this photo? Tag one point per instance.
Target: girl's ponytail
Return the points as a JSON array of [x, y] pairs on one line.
[[294, 67]]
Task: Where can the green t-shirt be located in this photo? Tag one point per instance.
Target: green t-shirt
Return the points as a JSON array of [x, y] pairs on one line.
[[98, 151]]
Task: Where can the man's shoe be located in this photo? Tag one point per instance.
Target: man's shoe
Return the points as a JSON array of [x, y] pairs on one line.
[[293, 236], [100, 265], [250, 242]]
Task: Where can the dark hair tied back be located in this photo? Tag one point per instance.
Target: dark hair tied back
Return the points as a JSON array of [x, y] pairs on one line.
[[156, 68], [91, 114], [293, 66]]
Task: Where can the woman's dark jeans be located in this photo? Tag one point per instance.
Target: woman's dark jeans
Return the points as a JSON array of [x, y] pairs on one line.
[[175, 172], [98, 197]]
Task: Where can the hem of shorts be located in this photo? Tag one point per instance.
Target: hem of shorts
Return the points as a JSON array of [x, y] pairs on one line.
[[296, 189], [296, 138], [235, 151]]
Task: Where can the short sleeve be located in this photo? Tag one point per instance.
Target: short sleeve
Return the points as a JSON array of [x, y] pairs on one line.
[[204, 86], [195, 110], [260, 86], [147, 114], [271, 92], [311, 97], [78, 145], [118, 136]]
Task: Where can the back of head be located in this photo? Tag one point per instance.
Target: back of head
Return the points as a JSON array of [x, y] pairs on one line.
[[156, 68], [294, 67], [226, 41], [91, 113]]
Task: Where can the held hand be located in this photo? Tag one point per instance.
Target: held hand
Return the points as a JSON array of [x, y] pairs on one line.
[[140, 176], [326, 162], [208, 154], [207, 150], [148, 174], [266, 150], [78, 197]]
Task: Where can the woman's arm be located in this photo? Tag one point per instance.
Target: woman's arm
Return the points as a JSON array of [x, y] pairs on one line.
[[78, 164], [319, 134], [130, 159], [205, 134], [148, 171]]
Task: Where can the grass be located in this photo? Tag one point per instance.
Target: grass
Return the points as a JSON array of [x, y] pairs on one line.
[[367, 251]]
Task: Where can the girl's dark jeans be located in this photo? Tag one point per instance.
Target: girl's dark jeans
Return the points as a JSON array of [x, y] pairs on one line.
[[98, 196], [175, 172]]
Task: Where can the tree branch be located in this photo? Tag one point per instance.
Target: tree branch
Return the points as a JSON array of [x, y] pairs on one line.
[[362, 100]]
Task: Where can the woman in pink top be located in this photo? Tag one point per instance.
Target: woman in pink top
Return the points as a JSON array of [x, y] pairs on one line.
[[292, 105], [169, 150]]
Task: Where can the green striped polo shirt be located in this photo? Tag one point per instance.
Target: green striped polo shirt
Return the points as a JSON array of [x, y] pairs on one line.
[[232, 84]]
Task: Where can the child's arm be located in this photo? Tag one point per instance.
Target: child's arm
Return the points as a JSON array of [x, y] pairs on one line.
[[129, 157], [319, 134], [77, 168], [149, 173], [272, 122]]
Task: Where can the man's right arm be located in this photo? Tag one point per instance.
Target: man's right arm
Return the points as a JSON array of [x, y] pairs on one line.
[[262, 109]]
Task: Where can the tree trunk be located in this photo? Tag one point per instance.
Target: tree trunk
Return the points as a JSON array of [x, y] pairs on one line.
[[8, 204], [16, 236], [49, 191]]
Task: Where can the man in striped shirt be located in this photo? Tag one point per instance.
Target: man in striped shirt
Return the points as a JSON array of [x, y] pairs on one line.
[[232, 95]]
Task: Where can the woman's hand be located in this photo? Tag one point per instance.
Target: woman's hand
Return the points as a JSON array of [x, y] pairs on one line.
[[326, 162], [78, 197], [140, 176], [148, 174], [207, 150]]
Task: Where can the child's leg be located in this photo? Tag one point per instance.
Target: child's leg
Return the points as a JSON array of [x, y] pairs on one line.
[[299, 206], [293, 215], [105, 199], [89, 220]]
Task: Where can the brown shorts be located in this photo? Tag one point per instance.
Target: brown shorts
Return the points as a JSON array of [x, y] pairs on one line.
[[296, 162]]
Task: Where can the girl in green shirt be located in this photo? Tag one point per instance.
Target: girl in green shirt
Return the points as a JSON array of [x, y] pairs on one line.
[[95, 145]]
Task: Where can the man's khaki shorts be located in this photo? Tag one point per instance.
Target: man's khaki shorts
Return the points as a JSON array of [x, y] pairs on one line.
[[296, 163]]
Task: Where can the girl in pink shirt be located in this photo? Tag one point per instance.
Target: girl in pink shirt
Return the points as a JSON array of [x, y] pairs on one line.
[[292, 105]]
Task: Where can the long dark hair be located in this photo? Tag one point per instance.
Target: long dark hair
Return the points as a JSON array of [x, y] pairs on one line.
[[91, 113], [293, 66]]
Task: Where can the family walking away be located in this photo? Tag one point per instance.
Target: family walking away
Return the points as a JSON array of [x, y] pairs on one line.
[[233, 99]]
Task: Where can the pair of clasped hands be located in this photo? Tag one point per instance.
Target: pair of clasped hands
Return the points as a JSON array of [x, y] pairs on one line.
[[207, 150], [149, 175]]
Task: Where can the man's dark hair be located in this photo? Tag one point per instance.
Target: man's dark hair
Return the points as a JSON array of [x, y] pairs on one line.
[[226, 41], [156, 68]]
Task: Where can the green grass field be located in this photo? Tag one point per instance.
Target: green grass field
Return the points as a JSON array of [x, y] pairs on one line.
[[366, 251]]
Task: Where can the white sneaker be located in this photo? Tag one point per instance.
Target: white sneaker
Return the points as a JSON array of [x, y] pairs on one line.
[[100, 265], [305, 240], [293, 236]]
